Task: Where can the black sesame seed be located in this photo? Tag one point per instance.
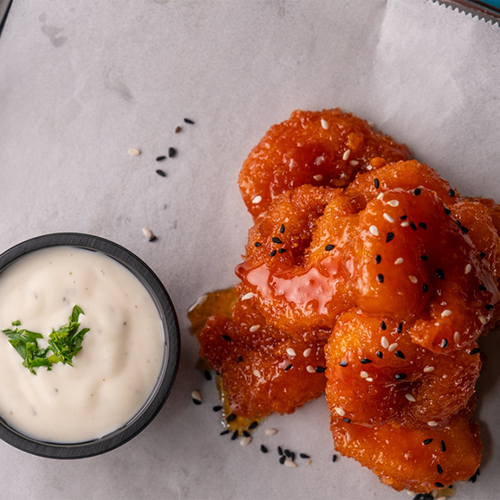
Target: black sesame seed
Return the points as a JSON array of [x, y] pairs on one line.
[[172, 152], [443, 446], [282, 250], [439, 485], [289, 367], [282, 228], [246, 434], [413, 226], [476, 350], [490, 307], [343, 363], [304, 455], [378, 259], [424, 257], [292, 456], [427, 441], [365, 361], [347, 420], [161, 158], [329, 247], [288, 453], [282, 459], [208, 375], [257, 244], [389, 237], [223, 433], [400, 328], [440, 273], [280, 450], [187, 120], [277, 240], [423, 225], [217, 408], [444, 343], [376, 183], [482, 255], [379, 354], [439, 469], [334, 458], [423, 496], [482, 288], [451, 193], [235, 435], [196, 401], [400, 354], [225, 337], [272, 254], [417, 192], [263, 448], [383, 326], [239, 359], [403, 217], [320, 369], [400, 376], [253, 425], [464, 229], [459, 224], [161, 173], [380, 278], [231, 417], [447, 211], [425, 288]]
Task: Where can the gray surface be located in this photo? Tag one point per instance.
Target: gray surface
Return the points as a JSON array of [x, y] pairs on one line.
[[82, 82]]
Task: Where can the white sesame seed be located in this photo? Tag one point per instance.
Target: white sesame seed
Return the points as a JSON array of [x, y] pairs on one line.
[[254, 328], [432, 423], [393, 203], [306, 352], [324, 124], [318, 177], [398, 261], [456, 337], [271, 432], [393, 347], [256, 373], [364, 375], [340, 411], [196, 395], [405, 223], [368, 167], [310, 369], [374, 230], [148, 233], [134, 152], [369, 379], [410, 398], [428, 369], [248, 296], [319, 160], [413, 279], [483, 320], [468, 269], [246, 440], [446, 313], [290, 463], [384, 342], [291, 352], [257, 199], [346, 154], [354, 163], [380, 196], [268, 146], [387, 217]]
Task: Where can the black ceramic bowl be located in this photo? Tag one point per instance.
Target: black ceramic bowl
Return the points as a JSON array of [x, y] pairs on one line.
[[170, 359]]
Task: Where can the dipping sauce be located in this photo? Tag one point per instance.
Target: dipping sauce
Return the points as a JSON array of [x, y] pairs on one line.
[[121, 357]]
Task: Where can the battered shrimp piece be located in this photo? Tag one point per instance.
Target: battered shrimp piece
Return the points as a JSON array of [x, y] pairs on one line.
[[324, 148], [419, 460]]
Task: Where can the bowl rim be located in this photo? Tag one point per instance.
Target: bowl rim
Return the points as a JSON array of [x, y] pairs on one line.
[[170, 365]]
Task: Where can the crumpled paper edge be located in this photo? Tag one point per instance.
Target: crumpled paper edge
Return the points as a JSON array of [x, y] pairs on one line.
[[485, 14]]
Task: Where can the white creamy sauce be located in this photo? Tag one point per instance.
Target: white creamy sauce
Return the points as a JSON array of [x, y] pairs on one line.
[[122, 354]]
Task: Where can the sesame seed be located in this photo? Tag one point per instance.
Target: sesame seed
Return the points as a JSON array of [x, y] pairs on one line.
[[355, 163], [403, 217], [239, 359], [376, 183], [257, 373], [443, 446], [410, 398], [187, 120], [400, 376], [134, 152], [257, 199], [290, 352], [282, 228], [451, 193], [248, 296], [383, 326], [393, 203], [270, 432], [389, 237], [346, 155], [289, 367], [178, 129], [379, 354], [196, 397], [424, 258], [446, 313], [387, 217], [318, 177], [412, 225], [393, 347], [482, 288], [482, 255], [290, 463], [234, 436], [447, 211], [475, 350], [428, 369], [254, 328], [398, 261], [282, 459], [490, 307], [378, 259], [148, 233], [307, 352], [172, 152], [369, 379], [225, 337], [334, 458], [246, 440], [328, 248], [224, 432], [365, 361], [444, 343], [161, 158], [340, 411], [363, 374], [208, 375], [423, 225], [231, 417], [343, 363], [439, 469], [425, 442], [282, 250], [456, 337], [425, 288], [374, 230], [417, 192], [400, 328], [324, 124], [320, 369], [253, 425], [405, 224], [384, 342], [217, 408], [347, 420], [400, 354], [310, 369], [432, 423], [380, 196], [413, 279], [161, 173], [439, 485], [483, 320], [263, 448], [304, 455], [276, 240], [440, 273], [257, 244], [380, 278]]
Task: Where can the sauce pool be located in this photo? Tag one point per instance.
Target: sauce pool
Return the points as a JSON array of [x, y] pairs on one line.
[[121, 357]]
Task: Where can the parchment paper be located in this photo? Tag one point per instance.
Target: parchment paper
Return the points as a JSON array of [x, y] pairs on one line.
[[83, 82]]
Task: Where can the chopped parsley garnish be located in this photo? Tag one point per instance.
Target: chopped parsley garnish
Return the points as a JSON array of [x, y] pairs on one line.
[[64, 343]]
